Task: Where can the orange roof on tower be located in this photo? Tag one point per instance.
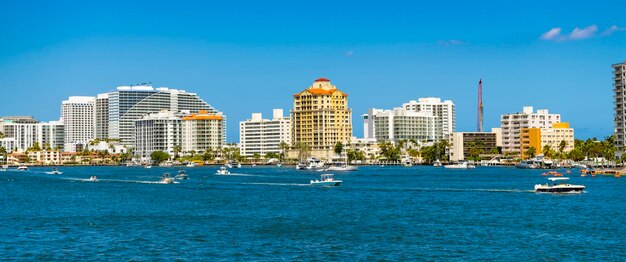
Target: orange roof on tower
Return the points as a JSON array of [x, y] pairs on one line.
[[203, 115]]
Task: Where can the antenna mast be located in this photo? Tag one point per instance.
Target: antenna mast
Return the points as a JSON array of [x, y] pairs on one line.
[[480, 106]]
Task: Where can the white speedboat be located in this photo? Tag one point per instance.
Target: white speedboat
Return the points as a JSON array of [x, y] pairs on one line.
[[279, 165], [461, 165], [147, 166], [228, 165], [166, 179], [559, 185], [437, 163], [326, 180], [4, 168], [93, 179], [22, 168], [253, 165], [223, 171], [341, 167], [191, 164], [55, 171], [181, 175], [301, 166]]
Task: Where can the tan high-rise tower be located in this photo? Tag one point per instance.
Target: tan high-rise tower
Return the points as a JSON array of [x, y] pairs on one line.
[[320, 118]]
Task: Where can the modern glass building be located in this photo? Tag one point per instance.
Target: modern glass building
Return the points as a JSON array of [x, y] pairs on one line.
[[130, 103]]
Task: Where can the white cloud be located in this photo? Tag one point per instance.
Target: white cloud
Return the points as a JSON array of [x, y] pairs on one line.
[[450, 42], [583, 33], [612, 30], [552, 34]]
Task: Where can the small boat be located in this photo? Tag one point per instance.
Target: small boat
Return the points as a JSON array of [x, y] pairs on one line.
[[228, 165], [147, 166], [55, 171], [279, 165], [181, 175], [461, 165], [238, 165], [382, 165], [223, 171], [191, 164], [22, 168], [326, 180], [559, 185], [4, 168], [437, 163], [301, 166], [341, 167], [166, 179], [253, 165], [93, 179]]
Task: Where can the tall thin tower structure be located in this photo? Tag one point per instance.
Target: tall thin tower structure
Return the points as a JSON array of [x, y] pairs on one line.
[[480, 106]]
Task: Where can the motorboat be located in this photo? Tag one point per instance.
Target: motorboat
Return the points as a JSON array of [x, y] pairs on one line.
[[559, 185], [93, 179], [302, 166], [166, 164], [279, 165], [147, 166], [228, 165], [22, 168], [55, 171], [4, 168], [326, 180], [191, 164], [223, 171], [181, 175], [166, 179], [341, 167], [234, 164], [538, 161], [253, 165], [461, 165], [437, 163]]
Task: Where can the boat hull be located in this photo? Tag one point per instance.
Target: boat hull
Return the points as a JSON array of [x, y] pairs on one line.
[[326, 183], [566, 189]]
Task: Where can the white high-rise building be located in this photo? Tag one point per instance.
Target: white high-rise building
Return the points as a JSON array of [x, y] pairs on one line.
[[443, 111], [262, 136], [512, 125], [78, 115], [157, 132], [619, 89], [202, 131], [402, 124], [369, 122], [102, 116], [130, 103]]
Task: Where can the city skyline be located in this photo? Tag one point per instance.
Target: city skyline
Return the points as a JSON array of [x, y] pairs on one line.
[[534, 56]]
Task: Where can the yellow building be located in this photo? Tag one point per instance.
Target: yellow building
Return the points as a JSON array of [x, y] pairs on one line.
[[320, 119], [540, 137]]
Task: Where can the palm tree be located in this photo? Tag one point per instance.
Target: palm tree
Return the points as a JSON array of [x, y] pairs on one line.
[[283, 147], [531, 152]]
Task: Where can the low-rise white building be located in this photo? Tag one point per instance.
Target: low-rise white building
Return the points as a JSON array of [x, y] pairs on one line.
[[262, 136]]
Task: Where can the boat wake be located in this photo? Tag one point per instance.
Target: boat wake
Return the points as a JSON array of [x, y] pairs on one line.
[[276, 184]]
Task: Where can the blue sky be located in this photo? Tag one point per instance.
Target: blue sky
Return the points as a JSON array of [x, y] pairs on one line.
[[245, 56]]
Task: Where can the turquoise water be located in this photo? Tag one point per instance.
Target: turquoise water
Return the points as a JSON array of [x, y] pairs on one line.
[[269, 213]]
